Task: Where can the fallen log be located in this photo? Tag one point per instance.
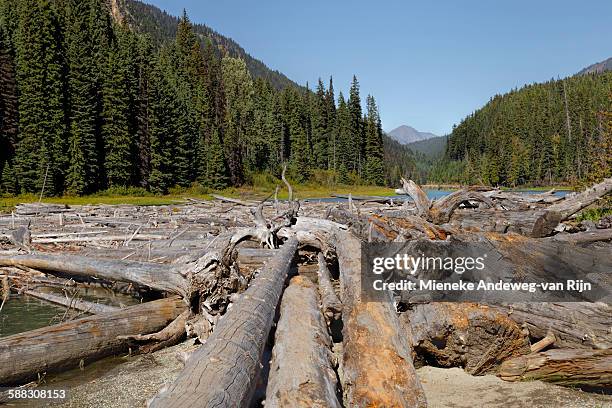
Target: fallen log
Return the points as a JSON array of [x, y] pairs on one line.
[[301, 371], [76, 304], [475, 337], [574, 324], [562, 210], [569, 367], [442, 210], [377, 363], [63, 346], [224, 371], [155, 276], [332, 308]]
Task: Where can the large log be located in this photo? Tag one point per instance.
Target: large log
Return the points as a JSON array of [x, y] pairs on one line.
[[574, 324], [301, 371], [377, 363], [562, 210], [224, 371], [576, 368], [155, 276], [475, 337], [55, 348]]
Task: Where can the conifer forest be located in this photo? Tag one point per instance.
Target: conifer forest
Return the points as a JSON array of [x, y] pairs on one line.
[[87, 103]]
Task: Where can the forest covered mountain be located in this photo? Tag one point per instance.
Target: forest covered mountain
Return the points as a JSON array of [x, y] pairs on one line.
[[162, 28], [88, 103], [434, 147], [559, 131]]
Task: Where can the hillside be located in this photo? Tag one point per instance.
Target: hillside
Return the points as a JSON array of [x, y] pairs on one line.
[[407, 134], [598, 68], [162, 28], [432, 148], [554, 132]]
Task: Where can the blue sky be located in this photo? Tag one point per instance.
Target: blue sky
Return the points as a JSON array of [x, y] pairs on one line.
[[428, 63]]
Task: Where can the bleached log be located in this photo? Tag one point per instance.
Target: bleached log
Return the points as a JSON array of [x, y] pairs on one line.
[[418, 196], [301, 371], [442, 209], [224, 371], [234, 200], [574, 324], [562, 210], [63, 346], [570, 367], [155, 276], [76, 304], [377, 361], [332, 308]]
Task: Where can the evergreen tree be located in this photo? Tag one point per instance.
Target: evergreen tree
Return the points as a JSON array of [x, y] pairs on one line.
[[116, 121], [374, 172], [216, 177], [39, 69], [357, 146]]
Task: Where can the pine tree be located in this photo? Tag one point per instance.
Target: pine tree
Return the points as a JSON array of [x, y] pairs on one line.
[[357, 146], [162, 128], [344, 147], [216, 177], [39, 68], [374, 171], [238, 87], [118, 140], [8, 99], [84, 98]]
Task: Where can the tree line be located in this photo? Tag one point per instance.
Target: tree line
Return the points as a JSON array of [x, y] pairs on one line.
[[555, 132], [87, 104]]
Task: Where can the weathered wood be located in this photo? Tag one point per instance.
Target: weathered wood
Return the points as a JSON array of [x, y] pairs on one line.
[[377, 363], [155, 276], [332, 308], [224, 371], [66, 345], [301, 371], [562, 210], [576, 368], [475, 337], [515, 257], [170, 335], [418, 196], [234, 200], [574, 324], [442, 210], [76, 304]]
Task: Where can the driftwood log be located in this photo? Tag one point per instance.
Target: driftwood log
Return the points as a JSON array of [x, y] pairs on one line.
[[332, 308], [76, 304], [302, 368], [570, 367], [377, 361], [224, 371], [66, 345]]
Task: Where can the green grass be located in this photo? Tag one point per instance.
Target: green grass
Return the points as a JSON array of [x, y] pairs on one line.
[[594, 214], [178, 196]]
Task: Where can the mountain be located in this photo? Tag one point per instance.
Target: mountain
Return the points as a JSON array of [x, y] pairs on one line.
[[407, 134], [598, 68], [433, 147], [162, 28]]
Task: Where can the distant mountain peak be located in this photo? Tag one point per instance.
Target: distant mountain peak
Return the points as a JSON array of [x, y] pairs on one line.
[[605, 65], [407, 134]]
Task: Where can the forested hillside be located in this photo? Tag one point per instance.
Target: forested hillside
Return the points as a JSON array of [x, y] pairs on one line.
[[162, 28], [88, 104], [555, 132]]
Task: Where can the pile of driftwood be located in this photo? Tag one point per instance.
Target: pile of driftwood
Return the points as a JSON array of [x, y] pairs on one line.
[[248, 278]]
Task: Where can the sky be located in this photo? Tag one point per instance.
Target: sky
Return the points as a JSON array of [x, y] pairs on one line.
[[427, 63]]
